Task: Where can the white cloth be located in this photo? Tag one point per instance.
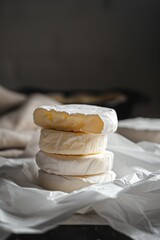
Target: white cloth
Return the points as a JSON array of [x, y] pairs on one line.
[[17, 128], [10, 99]]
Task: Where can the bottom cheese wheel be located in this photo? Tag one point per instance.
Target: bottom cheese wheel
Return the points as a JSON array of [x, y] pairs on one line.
[[71, 183]]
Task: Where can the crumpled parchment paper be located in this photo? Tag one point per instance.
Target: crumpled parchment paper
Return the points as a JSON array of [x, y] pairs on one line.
[[130, 204]]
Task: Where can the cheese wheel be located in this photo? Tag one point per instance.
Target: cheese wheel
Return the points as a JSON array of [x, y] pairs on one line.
[[75, 165], [71, 143], [77, 118], [70, 183]]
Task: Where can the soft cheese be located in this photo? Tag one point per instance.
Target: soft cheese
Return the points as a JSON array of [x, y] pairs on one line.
[[70, 183], [71, 143], [75, 165], [77, 118]]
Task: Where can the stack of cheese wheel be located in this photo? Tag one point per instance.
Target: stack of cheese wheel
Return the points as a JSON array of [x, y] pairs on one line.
[[73, 143]]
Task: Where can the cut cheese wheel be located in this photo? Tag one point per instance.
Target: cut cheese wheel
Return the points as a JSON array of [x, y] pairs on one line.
[[71, 143], [70, 183], [77, 118], [75, 165]]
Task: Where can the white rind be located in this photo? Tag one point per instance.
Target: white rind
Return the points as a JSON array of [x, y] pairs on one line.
[[69, 183], [107, 115], [75, 165], [71, 143]]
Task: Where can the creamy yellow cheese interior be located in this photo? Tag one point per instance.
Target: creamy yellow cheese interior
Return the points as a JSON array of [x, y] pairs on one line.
[[68, 122]]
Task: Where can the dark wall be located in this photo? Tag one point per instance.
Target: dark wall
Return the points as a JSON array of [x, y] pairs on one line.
[[82, 44]]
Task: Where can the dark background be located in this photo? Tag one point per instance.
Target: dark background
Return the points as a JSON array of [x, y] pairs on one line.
[[82, 44]]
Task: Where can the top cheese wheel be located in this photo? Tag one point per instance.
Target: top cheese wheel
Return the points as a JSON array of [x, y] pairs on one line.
[[77, 118]]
